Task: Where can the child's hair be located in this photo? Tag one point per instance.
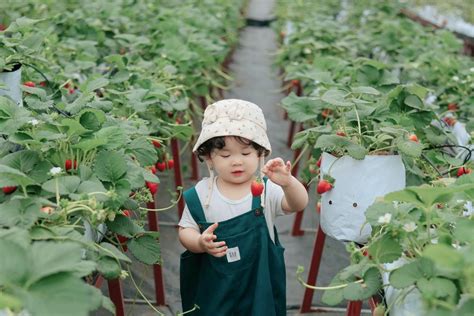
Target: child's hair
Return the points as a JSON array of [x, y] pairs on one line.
[[219, 142]]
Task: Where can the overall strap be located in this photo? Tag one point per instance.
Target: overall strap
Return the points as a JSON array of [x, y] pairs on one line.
[[194, 204], [256, 200]]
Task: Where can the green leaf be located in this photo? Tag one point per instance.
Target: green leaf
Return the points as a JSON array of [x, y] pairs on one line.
[[438, 288], [301, 109], [124, 226], [89, 144], [23, 161], [10, 177], [336, 97], [66, 185], [448, 261], [144, 151], [463, 231], [113, 252], [110, 166], [115, 137], [385, 249], [14, 263], [95, 84], [361, 291], [109, 267], [62, 294], [378, 209], [365, 90], [333, 141], [146, 249], [414, 102], [91, 119], [19, 212], [409, 148], [410, 273], [61, 258], [334, 297]]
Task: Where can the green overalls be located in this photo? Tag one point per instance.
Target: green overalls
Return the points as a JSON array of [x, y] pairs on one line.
[[253, 285]]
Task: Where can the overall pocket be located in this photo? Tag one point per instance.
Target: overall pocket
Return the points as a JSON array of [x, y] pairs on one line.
[[245, 249]]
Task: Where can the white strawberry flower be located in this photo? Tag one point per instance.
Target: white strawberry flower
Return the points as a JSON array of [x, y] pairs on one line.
[[455, 78], [55, 171], [409, 227], [385, 219], [33, 122], [471, 69]]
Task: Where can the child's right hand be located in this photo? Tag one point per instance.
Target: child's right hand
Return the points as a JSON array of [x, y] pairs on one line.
[[206, 240]]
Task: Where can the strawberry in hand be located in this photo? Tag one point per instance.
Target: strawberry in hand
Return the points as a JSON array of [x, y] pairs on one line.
[[257, 187]]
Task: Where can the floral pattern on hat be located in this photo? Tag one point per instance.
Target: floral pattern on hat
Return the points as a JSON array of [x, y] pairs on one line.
[[234, 117]]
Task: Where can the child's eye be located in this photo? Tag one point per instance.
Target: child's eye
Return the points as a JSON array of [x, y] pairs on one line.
[[245, 154], [225, 156]]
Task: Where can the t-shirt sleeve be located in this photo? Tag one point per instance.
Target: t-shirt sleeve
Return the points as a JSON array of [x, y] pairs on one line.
[[187, 220], [274, 196]]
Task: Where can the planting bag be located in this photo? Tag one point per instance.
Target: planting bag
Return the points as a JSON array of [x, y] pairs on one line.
[[10, 85], [357, 184]]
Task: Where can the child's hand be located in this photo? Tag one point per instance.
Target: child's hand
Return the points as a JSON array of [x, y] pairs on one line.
[[277, 171], [206, 240]]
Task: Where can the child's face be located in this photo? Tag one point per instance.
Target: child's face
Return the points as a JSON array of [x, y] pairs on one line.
[[235, 163]]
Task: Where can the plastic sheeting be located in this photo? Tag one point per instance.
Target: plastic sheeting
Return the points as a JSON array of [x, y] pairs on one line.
[[358, 183], [11, 82]]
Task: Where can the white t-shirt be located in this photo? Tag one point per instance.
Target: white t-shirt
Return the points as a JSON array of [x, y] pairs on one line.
[[222, 208]]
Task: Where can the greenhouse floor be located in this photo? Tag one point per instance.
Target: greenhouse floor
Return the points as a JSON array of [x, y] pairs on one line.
[[256, 81]]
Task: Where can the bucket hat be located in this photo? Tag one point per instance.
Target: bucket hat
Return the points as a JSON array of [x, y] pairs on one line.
[[234, 117]]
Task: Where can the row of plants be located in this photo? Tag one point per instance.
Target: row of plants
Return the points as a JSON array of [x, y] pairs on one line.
[[105, 86], [377, 84]]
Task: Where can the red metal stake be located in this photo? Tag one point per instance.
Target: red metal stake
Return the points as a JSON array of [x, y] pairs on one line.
[[291, 133], [116, 295], [296, 230], [354, 308], [178, 177], [157, 272], [194, 167], [313, 270]]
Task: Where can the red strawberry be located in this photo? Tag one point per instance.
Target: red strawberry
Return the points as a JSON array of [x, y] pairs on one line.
[[179, 121], [450, 121], [3, 27], [69, 163], [161, 165], [318, 163], [71, 90], [152, 186], [127, 213], [9, 189], [47, 210], [43, 83], [463, 171], [156, 143], [413, 138], [341, 133], [30, 84], [170, 163], [295, 82], [153, 169], [452, 107], [323, 186], [256, 187], [326, 112]]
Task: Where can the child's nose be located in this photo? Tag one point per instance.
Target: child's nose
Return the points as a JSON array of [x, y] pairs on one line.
[[236, 162]]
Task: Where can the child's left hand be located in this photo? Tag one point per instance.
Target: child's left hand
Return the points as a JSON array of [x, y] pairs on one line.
[[277, 171]]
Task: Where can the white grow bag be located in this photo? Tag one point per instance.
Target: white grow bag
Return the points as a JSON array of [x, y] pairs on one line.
[[11, 83], [358, 183]]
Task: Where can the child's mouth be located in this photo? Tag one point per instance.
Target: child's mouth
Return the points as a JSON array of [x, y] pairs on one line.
[[237, 173]]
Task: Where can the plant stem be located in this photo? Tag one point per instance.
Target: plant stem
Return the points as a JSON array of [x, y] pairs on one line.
[[141, 293]]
